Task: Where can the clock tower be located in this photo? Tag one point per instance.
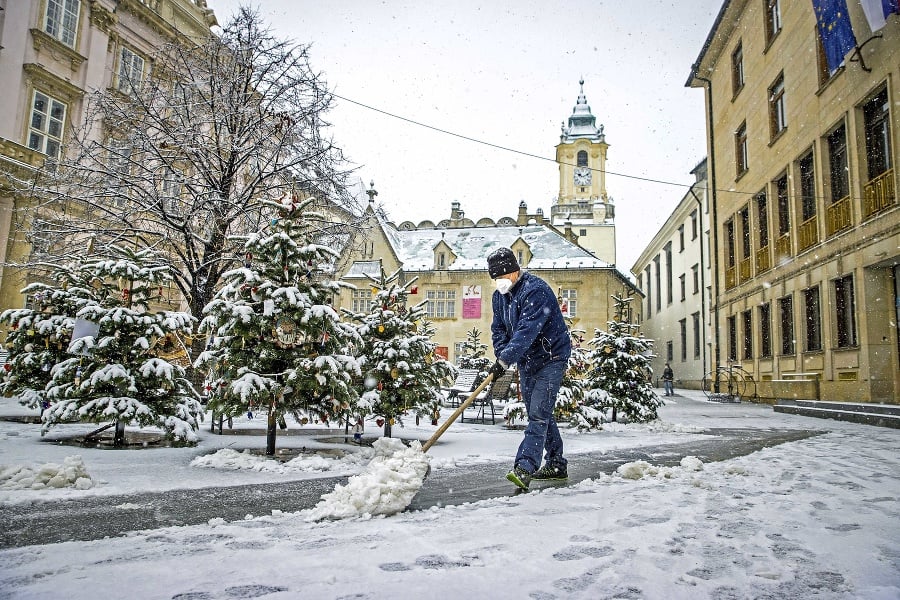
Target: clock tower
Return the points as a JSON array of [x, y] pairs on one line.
[[583, 203]]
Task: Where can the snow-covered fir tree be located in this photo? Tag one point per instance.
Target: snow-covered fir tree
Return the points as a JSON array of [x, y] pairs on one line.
[[620, 362], [39, 334], [572, 404], [473, 355], [276, 343], [114, 372], [402, 372]]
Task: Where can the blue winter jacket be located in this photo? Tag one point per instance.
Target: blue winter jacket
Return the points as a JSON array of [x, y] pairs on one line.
[[528, 327]]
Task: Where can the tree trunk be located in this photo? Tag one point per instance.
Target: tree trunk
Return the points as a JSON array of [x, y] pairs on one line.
[[271, 432], [119, 436]]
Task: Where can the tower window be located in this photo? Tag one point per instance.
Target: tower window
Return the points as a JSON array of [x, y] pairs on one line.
[[582, 159]]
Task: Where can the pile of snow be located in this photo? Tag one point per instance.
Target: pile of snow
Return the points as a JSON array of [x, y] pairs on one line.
[[640, 469], [387, 486], [49, 475], [230, 459]]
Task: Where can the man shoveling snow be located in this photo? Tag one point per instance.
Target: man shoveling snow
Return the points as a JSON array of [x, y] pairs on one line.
[[386, 487]]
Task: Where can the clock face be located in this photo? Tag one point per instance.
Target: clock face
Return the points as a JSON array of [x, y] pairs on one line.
[[582, 176]]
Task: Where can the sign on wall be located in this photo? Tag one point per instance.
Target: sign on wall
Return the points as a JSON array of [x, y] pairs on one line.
[[471, 308]]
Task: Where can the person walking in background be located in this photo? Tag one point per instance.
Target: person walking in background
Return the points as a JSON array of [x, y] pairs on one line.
[[528, 330], [668, 379]]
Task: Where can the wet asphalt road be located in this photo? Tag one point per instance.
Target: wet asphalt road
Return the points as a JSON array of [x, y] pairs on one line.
[[98, 517]]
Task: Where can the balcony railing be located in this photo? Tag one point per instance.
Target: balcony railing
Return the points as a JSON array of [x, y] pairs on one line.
[[745, 269], [763, 260], [730, 278], [837, 216], [783, 247], [879, 193], [808, 233]]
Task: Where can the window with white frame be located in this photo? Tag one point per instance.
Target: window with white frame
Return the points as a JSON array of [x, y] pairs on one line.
[[441, 304], [569, 302], [361, 300], [773, 19], [61, 20], [131, 70], [118, 162], [737, 69], [741, 162], [170, 189], [777, 116], [46, 127]]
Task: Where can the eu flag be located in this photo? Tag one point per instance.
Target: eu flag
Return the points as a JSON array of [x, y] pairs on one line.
[[834, 27]]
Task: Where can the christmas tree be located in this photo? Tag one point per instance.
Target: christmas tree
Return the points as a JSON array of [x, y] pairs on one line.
[[619, 365], [114, 371], [473, 355], [572, 405], [402, 371], [277, 345], [39, 334]]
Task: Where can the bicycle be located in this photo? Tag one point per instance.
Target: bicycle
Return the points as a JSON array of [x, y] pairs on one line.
[[727, 383]]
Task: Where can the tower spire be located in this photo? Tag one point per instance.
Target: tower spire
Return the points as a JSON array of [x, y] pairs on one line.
[[582, 123]]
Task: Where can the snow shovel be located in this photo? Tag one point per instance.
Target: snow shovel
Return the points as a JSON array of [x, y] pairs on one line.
[[391, 479], [457, 412]]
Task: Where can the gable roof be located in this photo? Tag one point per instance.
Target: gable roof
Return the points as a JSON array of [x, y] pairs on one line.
[[415, 248]]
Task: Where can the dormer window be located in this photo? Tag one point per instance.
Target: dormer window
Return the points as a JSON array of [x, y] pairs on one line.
[[442, 260]]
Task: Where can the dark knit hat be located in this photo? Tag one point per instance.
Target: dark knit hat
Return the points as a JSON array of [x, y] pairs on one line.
[[501, 262]]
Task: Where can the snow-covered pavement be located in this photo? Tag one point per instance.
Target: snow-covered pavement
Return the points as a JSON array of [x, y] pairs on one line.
[[818, 518]]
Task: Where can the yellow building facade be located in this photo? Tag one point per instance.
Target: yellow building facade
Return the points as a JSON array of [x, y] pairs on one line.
[[54, 53], [805, 221]]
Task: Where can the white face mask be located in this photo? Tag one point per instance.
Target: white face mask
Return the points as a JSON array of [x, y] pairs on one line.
[[503, 285]]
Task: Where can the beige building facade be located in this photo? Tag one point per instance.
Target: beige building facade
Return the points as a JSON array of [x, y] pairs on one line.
[[54, 52], [673, 274], [448, 262], [804, 213]]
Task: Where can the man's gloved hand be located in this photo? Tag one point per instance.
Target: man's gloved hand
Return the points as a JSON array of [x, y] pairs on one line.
[[498, 369]]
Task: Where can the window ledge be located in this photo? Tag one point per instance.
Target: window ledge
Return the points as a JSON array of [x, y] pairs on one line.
[[771, 41], [827, 83], [43, 40], [778, 136]]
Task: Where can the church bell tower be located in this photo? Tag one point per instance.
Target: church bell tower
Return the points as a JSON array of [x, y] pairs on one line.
[[582, 202]]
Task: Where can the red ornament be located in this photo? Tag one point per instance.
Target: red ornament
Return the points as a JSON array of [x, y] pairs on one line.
[[379, 422], [7, 367]]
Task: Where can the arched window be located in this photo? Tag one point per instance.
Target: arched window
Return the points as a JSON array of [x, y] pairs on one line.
[[582, 158]]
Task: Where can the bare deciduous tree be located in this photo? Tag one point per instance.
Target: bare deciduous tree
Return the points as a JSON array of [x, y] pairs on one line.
[[182, 160]]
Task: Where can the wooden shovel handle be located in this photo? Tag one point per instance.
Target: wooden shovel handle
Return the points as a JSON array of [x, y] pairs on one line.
[[457, 412]]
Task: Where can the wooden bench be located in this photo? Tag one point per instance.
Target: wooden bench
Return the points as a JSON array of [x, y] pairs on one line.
[[465, 383]]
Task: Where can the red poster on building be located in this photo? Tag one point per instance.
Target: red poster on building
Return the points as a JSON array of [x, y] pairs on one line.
[[471, 308], [443, 352]]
